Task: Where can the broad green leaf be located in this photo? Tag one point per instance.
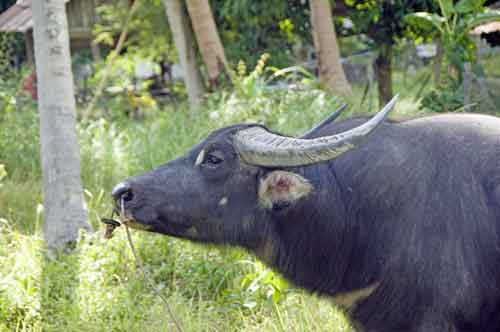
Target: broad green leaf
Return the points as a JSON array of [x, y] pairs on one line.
[[482, 18], [426, 19], [469, 6], [105, 38], [446, 7]]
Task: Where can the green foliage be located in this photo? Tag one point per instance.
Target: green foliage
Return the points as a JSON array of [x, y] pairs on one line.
[[382, 21], [148, 41], [448, 98], [12, 96], [270, 96], [7, 100], [97, 288], [423, 20], [11, 45], [19, 140], [491, 64], [453, 26], [124, 94], [149, 36], [250, 28]]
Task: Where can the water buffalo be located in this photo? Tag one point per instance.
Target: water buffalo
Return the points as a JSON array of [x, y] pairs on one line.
[[396, 221]]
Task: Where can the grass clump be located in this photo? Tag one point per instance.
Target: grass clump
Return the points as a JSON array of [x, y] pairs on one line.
[[98, 288]]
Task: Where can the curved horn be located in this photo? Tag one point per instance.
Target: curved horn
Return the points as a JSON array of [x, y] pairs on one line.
[[257, 146], [325, 122]]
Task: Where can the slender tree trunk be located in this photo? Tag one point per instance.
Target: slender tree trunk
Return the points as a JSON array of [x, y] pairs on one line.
[[28, 38], [96, 51], [65, 211], [331, 73], [383, 73], [184, 42], [438, 62], [208, 39]]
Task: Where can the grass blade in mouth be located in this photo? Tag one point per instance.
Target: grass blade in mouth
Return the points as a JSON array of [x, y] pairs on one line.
[[111, 224]]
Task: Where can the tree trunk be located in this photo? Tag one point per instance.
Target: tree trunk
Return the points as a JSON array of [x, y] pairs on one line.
[[65, 211], [383, 73], [28, 39], [184, 42], [208, 39], [438, 62], [96, 51], [331, 73]]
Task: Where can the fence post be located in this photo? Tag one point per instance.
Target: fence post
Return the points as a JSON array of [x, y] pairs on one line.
[[467, 86]]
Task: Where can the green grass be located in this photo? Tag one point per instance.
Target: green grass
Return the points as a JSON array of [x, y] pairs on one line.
[[97, 287]]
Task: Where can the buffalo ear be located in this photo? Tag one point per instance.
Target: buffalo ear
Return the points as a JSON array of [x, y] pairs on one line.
[[280, 189]]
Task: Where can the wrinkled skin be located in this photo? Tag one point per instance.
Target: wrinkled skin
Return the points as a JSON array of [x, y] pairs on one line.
[[404, 231]]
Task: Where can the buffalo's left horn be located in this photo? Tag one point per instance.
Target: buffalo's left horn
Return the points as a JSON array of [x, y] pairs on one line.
[[257, 146]]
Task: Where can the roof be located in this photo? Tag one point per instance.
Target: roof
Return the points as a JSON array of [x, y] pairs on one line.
[[17, 18], [486, 28]]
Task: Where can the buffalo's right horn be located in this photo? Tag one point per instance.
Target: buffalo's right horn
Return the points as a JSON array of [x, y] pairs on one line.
[[325, 122], [257, 146]]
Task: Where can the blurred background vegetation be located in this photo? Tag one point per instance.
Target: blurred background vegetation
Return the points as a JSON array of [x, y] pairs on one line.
[[438, 61]]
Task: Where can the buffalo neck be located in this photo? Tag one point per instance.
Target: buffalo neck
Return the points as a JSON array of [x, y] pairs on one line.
[[320, 235]]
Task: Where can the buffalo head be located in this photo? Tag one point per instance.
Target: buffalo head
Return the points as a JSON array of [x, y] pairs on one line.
[[227, 187]]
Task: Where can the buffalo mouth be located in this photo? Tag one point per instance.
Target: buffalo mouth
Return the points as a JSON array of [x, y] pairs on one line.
[[170, 227], [164, 225], [151, 221]]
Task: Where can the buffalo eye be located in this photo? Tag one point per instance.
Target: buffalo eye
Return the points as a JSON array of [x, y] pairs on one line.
[[213, 158]]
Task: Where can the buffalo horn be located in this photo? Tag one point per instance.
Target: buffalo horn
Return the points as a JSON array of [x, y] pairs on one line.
[[325, 122], [257, 146]]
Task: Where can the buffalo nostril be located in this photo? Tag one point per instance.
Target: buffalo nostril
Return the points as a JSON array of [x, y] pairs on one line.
[[122, 191]]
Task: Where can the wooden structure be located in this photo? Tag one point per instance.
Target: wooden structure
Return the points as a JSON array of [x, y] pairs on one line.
[[81, 19], [490, 31]]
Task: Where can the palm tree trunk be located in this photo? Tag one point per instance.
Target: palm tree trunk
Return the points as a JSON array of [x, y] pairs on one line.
[[331, 73], [65, 211], [208, 39], [184, 42], [383, 74]]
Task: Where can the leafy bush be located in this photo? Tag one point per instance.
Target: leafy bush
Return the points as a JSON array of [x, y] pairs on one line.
[[287, 99], [12, 94], [249, 28], [448, 98], [124, 94], [11, 46], [19, 142]]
